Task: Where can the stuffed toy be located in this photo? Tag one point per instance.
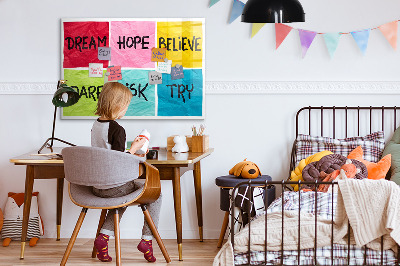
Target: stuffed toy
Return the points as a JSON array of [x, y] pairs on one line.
[[375, 170], [348, 170], [13, 215], [296, 174], [180, 144], [245, 169]]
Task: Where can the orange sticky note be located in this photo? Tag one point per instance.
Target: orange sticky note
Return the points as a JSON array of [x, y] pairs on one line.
[[158, 54]]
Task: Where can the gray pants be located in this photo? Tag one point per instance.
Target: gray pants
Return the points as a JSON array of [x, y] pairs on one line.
[[154, 208]]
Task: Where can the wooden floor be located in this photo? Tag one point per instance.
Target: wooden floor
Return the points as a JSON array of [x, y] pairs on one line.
[[50, 252]]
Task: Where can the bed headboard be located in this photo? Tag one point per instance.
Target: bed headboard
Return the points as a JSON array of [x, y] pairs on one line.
[[344, 121]]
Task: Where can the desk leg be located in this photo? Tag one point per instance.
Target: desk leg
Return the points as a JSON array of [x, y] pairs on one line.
[[27, 206], [176, 182], [60, 190], [199, 204]]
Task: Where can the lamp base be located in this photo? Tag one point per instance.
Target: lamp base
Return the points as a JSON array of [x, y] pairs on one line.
[[50, 146]]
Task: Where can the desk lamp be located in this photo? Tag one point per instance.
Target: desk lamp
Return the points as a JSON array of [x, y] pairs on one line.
[[273, 11], [64, 96]]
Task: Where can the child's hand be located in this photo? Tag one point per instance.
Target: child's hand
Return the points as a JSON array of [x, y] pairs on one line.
[[137, 144]]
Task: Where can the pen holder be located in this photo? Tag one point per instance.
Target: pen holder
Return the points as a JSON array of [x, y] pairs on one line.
[[200, 143]]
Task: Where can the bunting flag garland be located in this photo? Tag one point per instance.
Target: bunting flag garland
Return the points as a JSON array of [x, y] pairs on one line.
[[306, 39], [213, 2], [361, 37], [389, 30], [256, 27], [281, 31], [237, 8], [332, 41]]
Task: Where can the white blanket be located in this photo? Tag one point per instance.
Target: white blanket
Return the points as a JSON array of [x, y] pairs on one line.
[[371, 206]]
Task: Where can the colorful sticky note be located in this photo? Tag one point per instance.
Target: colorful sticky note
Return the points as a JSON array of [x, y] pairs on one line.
[[104, 53], [158, 54], [177, 72], [155, 77], [115, 73], [164, 67], [95, 70]]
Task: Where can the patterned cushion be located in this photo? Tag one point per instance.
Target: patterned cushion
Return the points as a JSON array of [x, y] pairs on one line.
[[372, 144]]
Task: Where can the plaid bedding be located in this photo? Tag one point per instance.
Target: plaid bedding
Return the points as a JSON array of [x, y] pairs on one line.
[[372, 145], [322, 207]]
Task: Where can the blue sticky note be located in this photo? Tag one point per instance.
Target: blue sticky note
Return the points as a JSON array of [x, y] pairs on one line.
[[143, 101], [183, 97], [177, 72]]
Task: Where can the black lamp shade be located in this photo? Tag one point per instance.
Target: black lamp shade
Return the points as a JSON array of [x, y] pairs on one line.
[[273, 11], [73, 96]]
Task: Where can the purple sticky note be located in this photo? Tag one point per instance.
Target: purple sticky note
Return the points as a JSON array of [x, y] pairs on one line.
[[177, 72]]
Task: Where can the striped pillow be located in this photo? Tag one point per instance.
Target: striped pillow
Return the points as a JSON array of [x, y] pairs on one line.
[[372, 145], [13, 228]]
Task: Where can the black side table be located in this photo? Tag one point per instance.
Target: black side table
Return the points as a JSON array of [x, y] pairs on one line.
[[226, 183]]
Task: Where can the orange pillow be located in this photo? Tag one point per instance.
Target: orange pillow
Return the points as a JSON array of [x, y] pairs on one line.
[[375, 170]]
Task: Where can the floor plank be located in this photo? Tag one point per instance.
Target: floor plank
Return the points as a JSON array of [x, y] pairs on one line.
[[50, 252]]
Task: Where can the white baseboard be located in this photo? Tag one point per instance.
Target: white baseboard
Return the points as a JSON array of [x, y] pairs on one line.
[[251, 87]]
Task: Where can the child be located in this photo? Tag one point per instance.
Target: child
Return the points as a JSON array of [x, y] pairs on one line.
[[106, 133]]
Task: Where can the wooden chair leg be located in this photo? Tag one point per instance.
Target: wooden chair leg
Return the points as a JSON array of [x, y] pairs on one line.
[[223, 229], [101, 222], [154, 230], [117, 238], [73, 237]]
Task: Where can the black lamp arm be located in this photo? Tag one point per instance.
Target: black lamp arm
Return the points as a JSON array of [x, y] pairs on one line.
[[46, 143]]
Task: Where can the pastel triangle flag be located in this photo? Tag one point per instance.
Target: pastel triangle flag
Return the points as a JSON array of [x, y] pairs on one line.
[[256, 27], [389, 30], [237, 9], [281, 31], [361, 37], [306, 39], [213, 2], [332, 41]]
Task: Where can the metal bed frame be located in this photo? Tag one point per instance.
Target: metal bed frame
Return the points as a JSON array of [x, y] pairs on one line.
[[284, 184]]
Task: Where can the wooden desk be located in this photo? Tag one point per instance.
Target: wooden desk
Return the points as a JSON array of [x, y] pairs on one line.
[[168, 163]]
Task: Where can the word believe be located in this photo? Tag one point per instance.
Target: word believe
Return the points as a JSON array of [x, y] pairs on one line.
[[180, 44], [181, 89], [83, 43], [137, 42]]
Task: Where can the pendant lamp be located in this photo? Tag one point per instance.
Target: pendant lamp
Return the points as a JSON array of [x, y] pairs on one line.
[[63, 97], [272, 11]]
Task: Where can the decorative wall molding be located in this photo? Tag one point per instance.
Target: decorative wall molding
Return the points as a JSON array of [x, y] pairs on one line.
[[251, 87]]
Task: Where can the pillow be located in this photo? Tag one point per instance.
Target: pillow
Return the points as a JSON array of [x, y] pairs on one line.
[[393, 148], [375, 170], [372, 144], [296, 174]]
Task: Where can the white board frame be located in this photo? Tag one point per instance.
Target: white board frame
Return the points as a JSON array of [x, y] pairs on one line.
[[202, 117]]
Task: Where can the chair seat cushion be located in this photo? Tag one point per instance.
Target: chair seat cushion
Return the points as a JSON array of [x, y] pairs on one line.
[[83, 195]]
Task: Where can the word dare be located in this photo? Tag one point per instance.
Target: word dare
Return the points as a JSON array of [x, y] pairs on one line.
[[90, 92]]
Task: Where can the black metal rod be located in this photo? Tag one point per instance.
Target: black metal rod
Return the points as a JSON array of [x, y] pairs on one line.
[[315, 222], [266, 220], [298, 226], [283, 210], [334, 121]]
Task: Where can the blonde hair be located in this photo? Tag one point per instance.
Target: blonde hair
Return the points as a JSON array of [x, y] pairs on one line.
[[113, 98]]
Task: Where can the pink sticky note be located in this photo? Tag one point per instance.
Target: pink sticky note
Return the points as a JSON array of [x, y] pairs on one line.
[[115, 73]]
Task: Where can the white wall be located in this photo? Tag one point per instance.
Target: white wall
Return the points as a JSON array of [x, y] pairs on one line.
[[259, 127]]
